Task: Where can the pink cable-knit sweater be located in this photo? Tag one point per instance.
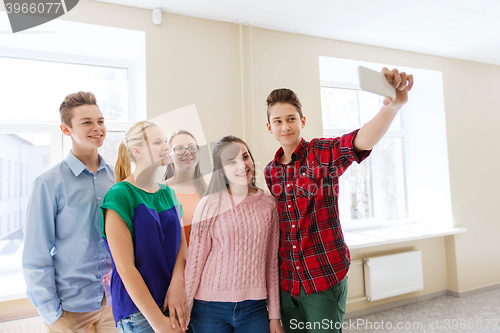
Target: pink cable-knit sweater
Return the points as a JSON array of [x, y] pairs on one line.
[[235, 257]]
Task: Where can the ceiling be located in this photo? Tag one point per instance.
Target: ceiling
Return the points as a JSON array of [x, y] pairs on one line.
[[461, 29]]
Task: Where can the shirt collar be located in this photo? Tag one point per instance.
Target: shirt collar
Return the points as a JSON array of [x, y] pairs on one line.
[[298, 151], [77, 166]]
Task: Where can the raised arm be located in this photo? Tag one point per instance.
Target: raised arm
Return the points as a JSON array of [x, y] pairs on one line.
[[38, 266], [373, 131], [122, 250]]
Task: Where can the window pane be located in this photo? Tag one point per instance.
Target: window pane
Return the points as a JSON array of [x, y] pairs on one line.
[[26, 159], [340, 108], [370, 104], [33, 90], [356, 185], [388, 171], [350, 109]]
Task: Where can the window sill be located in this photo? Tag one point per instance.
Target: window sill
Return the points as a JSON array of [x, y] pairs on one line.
[[396, 234]]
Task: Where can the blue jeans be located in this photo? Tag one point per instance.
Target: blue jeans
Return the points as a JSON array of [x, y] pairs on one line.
[[248, 316], [137, 323]]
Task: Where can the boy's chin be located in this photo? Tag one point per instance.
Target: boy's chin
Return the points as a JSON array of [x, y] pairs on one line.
[[288, 140], [89, 146]]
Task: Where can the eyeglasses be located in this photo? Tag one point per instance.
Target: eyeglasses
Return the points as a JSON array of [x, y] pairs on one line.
[[182, 150]]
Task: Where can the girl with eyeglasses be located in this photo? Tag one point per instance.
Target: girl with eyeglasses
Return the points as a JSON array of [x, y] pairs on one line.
[[232, 280], [184, 175]]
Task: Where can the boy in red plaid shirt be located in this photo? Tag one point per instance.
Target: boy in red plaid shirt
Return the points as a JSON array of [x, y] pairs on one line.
[[303, 176]]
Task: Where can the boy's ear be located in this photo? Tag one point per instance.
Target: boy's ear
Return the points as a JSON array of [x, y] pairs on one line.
[[269, 128], [65, 130], [303, 121]]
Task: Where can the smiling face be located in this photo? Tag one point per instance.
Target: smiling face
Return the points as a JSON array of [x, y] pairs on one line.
[[286, 124], [188, 160], [87, 129], [153, 150], [237, 164]]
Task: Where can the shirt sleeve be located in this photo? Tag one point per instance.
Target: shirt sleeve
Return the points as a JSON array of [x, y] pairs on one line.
[[37, 262], [178, 206], [199, 247], [272, 274], [339, 153], [119, 200]]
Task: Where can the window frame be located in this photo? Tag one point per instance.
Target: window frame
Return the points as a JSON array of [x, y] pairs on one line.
[[344, 210], [136, 76]]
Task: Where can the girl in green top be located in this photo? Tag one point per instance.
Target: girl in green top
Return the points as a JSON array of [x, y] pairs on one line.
[[141, 225]]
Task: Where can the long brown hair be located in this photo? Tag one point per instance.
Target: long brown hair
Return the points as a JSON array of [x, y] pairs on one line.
[[133, 137], [199, 181], [219, 182]]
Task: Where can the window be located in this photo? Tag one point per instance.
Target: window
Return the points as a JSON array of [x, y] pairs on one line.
[[2, 180], [375, 189], [38, 71], [10, 180], [394, 185]]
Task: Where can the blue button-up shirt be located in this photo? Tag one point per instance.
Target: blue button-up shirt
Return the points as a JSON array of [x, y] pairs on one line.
[[65, 262]]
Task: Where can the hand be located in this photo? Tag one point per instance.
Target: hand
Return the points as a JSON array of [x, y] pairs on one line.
[[176, 302], [166, 327], [275, 326], [402, 82]]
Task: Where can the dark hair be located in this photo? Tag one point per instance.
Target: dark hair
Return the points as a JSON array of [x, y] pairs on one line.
[[72, 101], [283, 95], [199, 181], [219, 181]]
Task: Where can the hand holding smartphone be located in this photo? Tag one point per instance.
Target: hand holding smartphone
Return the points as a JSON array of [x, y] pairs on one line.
[[375, 82]]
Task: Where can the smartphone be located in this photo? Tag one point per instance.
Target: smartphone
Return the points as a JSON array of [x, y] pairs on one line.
[[375, 82]]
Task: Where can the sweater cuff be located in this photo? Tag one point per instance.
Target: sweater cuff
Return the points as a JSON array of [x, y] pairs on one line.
[[274, 312]]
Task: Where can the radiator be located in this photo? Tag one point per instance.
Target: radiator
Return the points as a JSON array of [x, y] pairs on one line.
[[393, 275], [32, 324]]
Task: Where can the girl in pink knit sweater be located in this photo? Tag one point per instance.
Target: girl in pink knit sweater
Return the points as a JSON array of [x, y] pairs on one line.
[[231, 271]]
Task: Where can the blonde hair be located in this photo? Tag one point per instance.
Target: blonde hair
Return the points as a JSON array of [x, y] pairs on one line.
[[134, 137], [199, 181]]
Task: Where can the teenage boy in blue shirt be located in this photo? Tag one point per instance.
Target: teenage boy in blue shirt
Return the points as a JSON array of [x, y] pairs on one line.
[[304, 178], [65, 263]]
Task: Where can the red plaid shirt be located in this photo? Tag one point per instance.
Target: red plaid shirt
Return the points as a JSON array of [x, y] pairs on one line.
[[312, 252]]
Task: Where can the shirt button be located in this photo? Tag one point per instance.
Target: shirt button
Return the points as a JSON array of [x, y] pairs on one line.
[[99, 198], [95, 177], [294, 247], [288, 185], [287, 166], [298, 267], [303, 174], [289, 206], [293, 225]]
